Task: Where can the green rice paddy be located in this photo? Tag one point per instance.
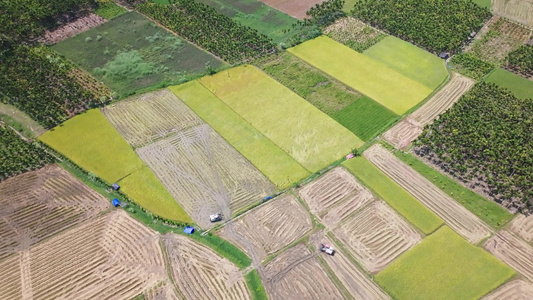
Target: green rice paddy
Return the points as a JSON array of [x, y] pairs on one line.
[[273, 162], [520, 86], [308, 135], [399, 199], [91, 142], [444, 266], [131, 52], [410, 61], [371, 77]]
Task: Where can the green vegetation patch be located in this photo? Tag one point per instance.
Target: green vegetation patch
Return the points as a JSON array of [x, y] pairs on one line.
[[110, 10], [520, 86], [365, 118], [131, 52], [93, 144], [308, 135], [486, 139], [144, 188], [521, 60], [253, 280], [488, 211], [470, 65], [276, 164], [483, 3], [363, 74], [410, 61], [444, 266], [414, 211]]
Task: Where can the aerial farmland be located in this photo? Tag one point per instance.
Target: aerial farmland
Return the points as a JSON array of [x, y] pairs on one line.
[[266, 149]]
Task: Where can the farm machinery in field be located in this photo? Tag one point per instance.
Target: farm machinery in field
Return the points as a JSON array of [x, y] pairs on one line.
[[215, 217], [327, 249]]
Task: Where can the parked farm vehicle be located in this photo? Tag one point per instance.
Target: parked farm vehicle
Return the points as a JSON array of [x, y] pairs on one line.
[[216, 217], [327, 248]]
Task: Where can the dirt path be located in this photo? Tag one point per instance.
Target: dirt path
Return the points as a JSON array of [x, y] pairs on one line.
[[405, 132], [33, 128], [454, 214], [513, 251]]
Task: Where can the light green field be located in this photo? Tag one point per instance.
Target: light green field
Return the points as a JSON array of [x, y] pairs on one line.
[[520, 86], [409, 60], [410, 208], [308, 135], [93, 144], [483, 3], [444, 266], [371, 77], [273, 162]]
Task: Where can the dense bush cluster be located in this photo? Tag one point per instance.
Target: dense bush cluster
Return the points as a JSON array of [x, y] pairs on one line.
[[471, 66], [521, 60], [325, 13], [36, 80], [19, 156], [486, 139], [439, 25], [209, 29]]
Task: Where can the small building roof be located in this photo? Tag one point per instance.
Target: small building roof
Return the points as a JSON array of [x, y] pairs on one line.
[[115, 202], [189, 230]]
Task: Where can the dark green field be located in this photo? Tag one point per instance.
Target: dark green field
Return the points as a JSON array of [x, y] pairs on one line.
[[130, 53]]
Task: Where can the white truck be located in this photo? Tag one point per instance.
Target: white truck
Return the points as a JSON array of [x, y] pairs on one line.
[[215, 217]]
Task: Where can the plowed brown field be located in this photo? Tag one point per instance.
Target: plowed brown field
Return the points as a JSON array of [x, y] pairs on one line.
[[454, 214], [297, 274], [334, 196], [523, 227], [514, 290], [270, 228], [112, 257], [148, 117], [376, 235], [513, 251], [10, 277], [295, 8], [71, 29], [38, 204], [405, 132], [205, 174], [200, 273]]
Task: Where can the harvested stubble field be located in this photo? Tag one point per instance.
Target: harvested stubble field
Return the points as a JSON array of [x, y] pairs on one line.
[[271, 160], [308, 135], [363, 73], [520, 11], [453, 213], [145, 118], [357, 282], [297, 274], [513, 251], [131, 52], [297, 9], [513, 290], [205, 174], [444, 266], [334, 196], [270, 228], [36, 205], [523, 226], [112, 257], [354, 33], [164, 291], [406, 131], [376, 235], [200, 273]]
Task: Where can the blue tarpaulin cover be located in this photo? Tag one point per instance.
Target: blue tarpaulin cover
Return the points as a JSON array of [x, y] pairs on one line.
[[115, 202], [188, 230]]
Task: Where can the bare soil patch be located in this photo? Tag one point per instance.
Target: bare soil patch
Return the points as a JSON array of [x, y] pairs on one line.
[[297, 274], [38, 204], [65, 31], [146, 118], [268, 229], [523, 227], [514, 290], [334, 196], [512, 251], [200, 273], [294, 8], [376, 235], [405, 132], [112, 257], [205, 174], [520, 11], [454, 214]]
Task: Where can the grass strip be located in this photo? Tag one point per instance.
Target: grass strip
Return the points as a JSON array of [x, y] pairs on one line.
[[255, 285]]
